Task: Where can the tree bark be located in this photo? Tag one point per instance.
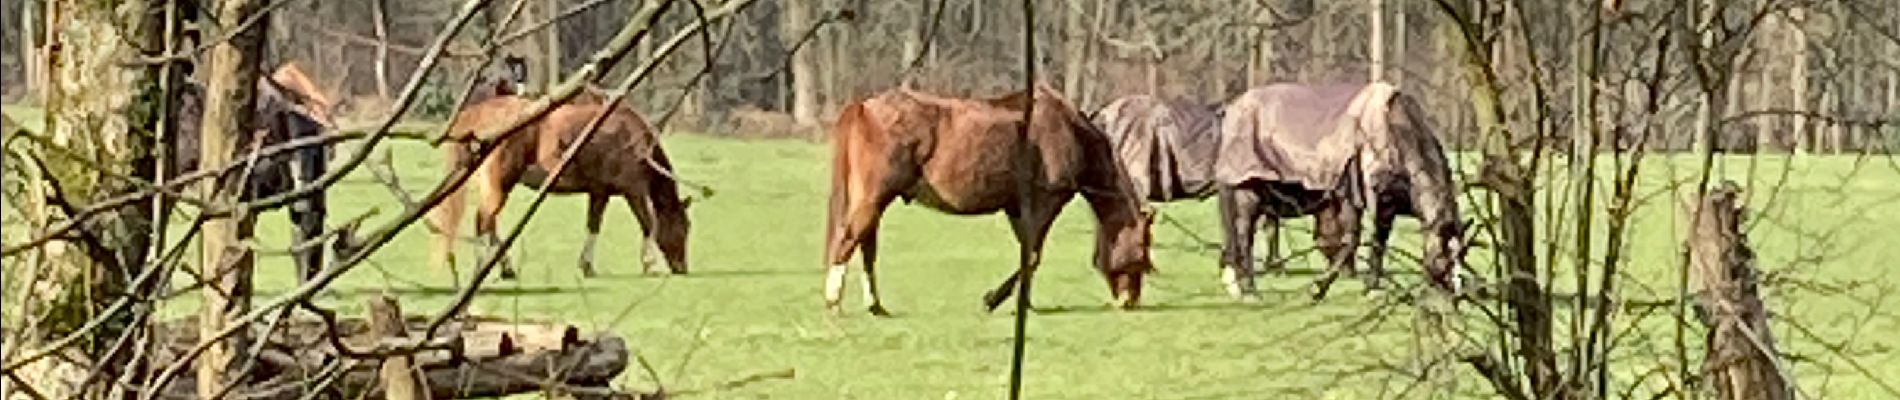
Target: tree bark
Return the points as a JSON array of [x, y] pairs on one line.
[[230, 92], [102, 109], [1075, 43], [378, 9], [400, 377], [1510, 185], [1741, 356], [1377, 46], [551, 46], [1798, 75], [798, 18], [29, 55]]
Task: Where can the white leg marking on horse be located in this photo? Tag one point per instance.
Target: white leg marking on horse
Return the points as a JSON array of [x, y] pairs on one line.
[[870, 287], [834, 285]]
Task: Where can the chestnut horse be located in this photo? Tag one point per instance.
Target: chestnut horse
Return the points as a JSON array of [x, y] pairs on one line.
[[623, 159], [970, 157]]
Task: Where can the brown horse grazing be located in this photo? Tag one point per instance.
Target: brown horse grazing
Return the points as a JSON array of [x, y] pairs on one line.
[[1331, 151], [622, 159], [969, 157]]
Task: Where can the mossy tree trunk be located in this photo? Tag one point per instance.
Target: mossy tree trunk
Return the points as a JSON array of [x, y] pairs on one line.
[[101, 110]]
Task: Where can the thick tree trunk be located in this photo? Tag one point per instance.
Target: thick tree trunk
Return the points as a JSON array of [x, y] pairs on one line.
[[1741, 358], [231, 74], [102, 109]]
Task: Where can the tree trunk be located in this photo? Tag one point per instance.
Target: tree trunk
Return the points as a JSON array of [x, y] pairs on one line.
[[1377, 46], [798, 19], [551, 45], [1510, 185], [399, 375], [29, 56], [102, 109], [1765, 127], [1741, 358], [382, 49], [1398, 42], [1075, 42], [1798, 75], [230, 91]]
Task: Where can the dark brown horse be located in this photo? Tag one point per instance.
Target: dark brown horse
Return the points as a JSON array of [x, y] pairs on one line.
[[288, 107], [1331, 152], [970, 157], [623, 159], [1167, 147]]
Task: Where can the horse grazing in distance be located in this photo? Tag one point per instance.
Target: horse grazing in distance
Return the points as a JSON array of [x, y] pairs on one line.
[[1331, 151], [288, 107], [623, 158], [1167, 147], [971, 157]]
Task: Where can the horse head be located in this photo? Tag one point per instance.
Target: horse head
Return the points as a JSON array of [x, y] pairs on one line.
[[1123, 256], [1445, 254]]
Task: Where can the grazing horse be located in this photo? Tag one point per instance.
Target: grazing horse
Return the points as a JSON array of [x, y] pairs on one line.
[[1167, 147], [971, 157], [1331, 151], [288, 107], [623, 158]]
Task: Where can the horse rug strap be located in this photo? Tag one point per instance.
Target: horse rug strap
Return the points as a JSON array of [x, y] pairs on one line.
[[1303, 134]]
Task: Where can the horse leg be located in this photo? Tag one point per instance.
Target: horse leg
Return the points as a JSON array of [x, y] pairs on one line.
[[867, 245], [307, 217], [495, 185], [1382, 218], [1031, 228], [1240, 211], [447, 216], [1336, 231], [596, 205], [859, 232]]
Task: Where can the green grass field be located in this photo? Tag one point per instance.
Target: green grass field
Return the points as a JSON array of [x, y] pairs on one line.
[[751, 309]]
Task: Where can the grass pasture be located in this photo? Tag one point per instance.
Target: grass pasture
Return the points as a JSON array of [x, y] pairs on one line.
[[751, 309]]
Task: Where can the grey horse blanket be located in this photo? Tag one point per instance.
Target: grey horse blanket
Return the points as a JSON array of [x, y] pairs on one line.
[[1167, 147], [1306, 134]]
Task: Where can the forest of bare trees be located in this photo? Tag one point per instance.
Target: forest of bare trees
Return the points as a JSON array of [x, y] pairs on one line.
[[1806, 57]]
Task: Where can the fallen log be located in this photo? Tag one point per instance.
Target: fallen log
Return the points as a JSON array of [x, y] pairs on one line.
[[473, 357]]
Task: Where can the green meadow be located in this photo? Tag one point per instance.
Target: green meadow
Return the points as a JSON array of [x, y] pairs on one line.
[[749, 322]]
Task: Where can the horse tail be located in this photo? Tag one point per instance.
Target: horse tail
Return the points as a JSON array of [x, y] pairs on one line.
[[446, 217], [842, 135]]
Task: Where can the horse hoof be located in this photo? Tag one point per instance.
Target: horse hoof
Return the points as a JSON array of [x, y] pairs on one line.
[[508, 274], [587, 271], [878, 310]]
